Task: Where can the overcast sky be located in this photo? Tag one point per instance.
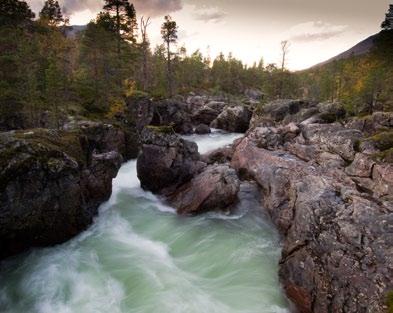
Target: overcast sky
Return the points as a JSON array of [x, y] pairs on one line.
[[251, 29]]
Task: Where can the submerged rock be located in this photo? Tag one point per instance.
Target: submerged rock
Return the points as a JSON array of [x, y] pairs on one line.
[[51, 184]]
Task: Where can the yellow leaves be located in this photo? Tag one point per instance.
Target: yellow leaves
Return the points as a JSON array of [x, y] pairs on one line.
[[116, 107], [129, 86]]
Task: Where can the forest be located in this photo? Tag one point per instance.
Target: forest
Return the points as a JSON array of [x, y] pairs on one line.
[[48, 71]]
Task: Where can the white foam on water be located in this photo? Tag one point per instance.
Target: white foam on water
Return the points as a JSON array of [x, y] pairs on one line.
[[216, 139], [137, 258]]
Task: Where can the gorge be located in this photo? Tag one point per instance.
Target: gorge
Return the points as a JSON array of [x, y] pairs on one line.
[[138, 256]]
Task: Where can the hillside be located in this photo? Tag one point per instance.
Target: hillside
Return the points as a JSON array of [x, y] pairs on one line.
[[361, 48], [361, 78]]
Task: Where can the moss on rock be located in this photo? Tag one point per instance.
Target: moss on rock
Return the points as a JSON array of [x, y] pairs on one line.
[[389, 301], [167, 129], [383, 140]]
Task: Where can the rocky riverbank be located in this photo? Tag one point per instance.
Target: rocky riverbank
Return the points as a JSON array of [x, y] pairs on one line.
[[52, 182], [327, 185]]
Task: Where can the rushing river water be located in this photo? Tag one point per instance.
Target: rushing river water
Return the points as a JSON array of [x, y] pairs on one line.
[[140, 257]]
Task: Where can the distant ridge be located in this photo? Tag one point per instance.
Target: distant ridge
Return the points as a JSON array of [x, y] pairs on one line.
[[73, 30], [361, 48]]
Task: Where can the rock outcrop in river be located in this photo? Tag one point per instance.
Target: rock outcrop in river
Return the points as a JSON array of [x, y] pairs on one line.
[[52, 182], [171, 166], [328, 187]]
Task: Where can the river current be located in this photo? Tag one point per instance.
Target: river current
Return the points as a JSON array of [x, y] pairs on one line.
[[140, 257]]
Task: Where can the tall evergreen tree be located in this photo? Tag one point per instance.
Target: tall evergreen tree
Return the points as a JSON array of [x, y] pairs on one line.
[[169, 35], [387, 24], [14, 12], [51, 13], [125, 20]]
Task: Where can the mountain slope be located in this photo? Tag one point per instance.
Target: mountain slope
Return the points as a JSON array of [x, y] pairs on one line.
[[361, 48]]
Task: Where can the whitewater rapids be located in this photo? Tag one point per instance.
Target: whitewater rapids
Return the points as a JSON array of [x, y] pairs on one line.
[[140, 257]]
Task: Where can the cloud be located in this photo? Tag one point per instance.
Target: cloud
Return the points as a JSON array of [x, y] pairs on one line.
[[143, 7], [315, 31], [209, 15], [183, 34], [155, 8]]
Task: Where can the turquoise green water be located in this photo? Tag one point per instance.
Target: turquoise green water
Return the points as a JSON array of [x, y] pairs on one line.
[[140, 257]]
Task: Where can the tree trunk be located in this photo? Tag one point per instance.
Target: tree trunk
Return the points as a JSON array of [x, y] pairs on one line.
[[118, 28], [169, 70], [145, 78]]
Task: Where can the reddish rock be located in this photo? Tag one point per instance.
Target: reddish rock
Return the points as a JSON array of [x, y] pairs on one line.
[[215, 189]]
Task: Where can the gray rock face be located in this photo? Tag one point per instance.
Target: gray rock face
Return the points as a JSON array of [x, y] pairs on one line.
[[369, 125], [207, 113], [215, 189], [285, 111], [166, 161], [172, 112], [140, 111], [52, 182], [233, 119], [333, 138], [337, 253]]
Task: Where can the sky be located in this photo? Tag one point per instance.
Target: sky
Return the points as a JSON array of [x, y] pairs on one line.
[[253, 29]]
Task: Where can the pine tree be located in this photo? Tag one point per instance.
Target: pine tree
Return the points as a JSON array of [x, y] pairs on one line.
[[14, 12], [387, 24], [51, 13], [125, 20], [169, 35]]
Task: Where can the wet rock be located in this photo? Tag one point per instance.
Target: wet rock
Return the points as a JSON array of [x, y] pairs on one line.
[[233, 119], [215, 189], [51, 184], [166, 161], [202, 129]]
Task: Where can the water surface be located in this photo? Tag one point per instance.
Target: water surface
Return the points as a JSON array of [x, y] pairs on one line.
[[140, 257]]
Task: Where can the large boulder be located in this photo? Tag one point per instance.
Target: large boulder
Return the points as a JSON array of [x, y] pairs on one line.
[[233, 119], [337, 243], [140, 110], [215, 189], [51, 184], [202, 129], [209, 112], [166, 161], [172, 112], [277, 110]]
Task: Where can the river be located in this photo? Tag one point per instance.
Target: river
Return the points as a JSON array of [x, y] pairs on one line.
[[140, 257]]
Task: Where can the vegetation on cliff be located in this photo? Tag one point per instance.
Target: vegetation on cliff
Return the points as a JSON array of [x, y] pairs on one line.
[[48, 71]]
